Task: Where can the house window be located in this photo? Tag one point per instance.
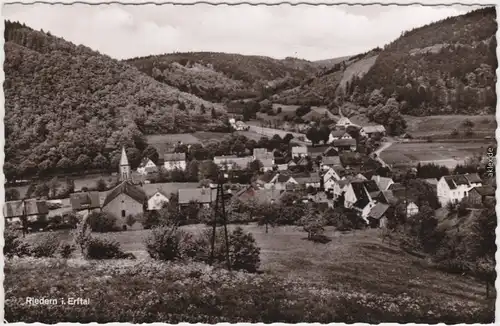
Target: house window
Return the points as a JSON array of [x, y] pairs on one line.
[[123, 213]]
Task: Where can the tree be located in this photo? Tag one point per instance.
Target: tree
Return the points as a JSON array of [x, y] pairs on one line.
[[313, 135], [12, 194], [100, 162], [288, 137], [268, 214], [313, 223], [193, 171], [151, 153], [83, 162], [101, 185]]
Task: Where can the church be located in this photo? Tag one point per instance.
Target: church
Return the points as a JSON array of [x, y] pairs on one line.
[[126, 199]]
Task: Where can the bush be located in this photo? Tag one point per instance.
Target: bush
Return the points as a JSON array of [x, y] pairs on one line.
[[130, 220], [13, 246], [101, 222], [45, 246], [66, 250], [170, 243], [243, 251], [103, 249], [151, 219]]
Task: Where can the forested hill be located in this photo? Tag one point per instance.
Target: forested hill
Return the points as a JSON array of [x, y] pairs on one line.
[[447, 67], [68, 107], [218, 76]]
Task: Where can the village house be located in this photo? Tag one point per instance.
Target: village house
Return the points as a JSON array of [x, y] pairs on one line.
[[478, 195], [202, 196], [377, 215], [399, 196], [331, 161], [312, 180], [267, 164], [299, 151], [344, 122], [345, 144], [29, 209], [369, 131], [315, 151], [157, 200], [262, 154], [85, 202], [330, 152], [359, 195], [453, 188], [338, 134], [231, 162], [174, 161], [382, 182], [280, 181], [251, 193], [146, 166]]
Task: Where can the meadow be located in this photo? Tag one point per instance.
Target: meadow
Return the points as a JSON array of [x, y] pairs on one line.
[[442, 153], [354, 277]]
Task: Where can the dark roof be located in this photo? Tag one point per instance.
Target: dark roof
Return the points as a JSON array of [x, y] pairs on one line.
[[371, 185], [331, 160], [485, 190], [200, 195], [473, 178], [330, 151], [85, 200], [282, 178], [396, 186], [28, 207], [174, 157], [461, 179], [359, 189], [317, 149], [144, 162], [344, 142], [313, 178], [128, 189], [387, 197], [267, 177], [361, 203], [378, 210]]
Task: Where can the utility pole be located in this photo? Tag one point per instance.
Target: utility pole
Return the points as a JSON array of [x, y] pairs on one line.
[[220, 210]]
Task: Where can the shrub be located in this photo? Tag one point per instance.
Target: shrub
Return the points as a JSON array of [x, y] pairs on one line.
[[170, 243], [66, 249], [46, 246], [151, 219], [101, 222], [82, 236], [244, 253], [13, 246], [130, 220], [101, 185], [103, 249]]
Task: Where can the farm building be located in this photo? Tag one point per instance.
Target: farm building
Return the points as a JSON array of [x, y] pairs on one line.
[[124, 200], [382, 182], [478, 195], [313, 180], [202, 196], [251, 193], [345, 144], [279, 181], [453, 188], [315, 151], [14, 211], [146, 166], [377, 216], [329, 162], [173, 161], [299, 151], [157, 200], [369, 131], [85, 201]]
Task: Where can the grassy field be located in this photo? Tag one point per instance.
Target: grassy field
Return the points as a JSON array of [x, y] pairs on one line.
[[449, 154], [441, 126], [354, 277]]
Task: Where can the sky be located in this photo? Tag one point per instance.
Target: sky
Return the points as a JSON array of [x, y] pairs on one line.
[[307, 32]]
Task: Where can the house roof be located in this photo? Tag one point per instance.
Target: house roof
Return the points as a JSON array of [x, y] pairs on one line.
[[27, 207], [485, 190], [313, 178], [456, 180], [344, 120], [145, 161], [168, 157], [299, 149], [128, 189], [330, 151], [382, 182], [85, 200], [331, 160], [387, 197], [344, 142], [123, 158], [268, 162], [159, 191], [432, 181], [396, 186], [378, 210], [372, 129], [317, 149], [337, 133], [200, 195]]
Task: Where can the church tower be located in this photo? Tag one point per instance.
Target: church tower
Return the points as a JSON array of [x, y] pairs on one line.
[[124, 167]]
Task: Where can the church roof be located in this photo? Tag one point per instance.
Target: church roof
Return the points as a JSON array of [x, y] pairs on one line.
[[128, 189], [123, 159]]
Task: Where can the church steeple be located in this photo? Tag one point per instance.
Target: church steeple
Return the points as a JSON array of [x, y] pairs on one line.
[[124, 167]]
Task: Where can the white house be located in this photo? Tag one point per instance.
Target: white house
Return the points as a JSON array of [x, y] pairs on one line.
[[411, 209], [368, 131], [156, 201], [145, 166], [299, 151], [173, 161], [382, 182], [280, 181], [453, 188], [344, 121]]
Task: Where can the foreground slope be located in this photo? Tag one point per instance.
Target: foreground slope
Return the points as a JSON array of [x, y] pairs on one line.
[[216, 76], [63, 101]]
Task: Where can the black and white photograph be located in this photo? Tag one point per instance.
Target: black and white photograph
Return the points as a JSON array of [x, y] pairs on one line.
[[205, 163]]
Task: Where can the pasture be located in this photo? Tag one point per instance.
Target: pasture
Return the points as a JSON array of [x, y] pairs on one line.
[[356, 260], [443, 153], [441, 126]]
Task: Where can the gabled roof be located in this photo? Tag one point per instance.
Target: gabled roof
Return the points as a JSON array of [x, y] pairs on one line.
[[128, 189], [313, 178], [372, 129], [317, 149], [382, 182], [18, 208], [85, 200], [200, 195], [337, 133], [169, 157], [387, 197], [123, 158], [378, 210], [145, 161], [330, 151], [299, 149], [456, 180], [485, 190], [344, 120], [159, 191], [331, 160]]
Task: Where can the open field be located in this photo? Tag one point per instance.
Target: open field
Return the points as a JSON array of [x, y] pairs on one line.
[[442, 125], [448, 154], [356, 260], [172, 139]]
